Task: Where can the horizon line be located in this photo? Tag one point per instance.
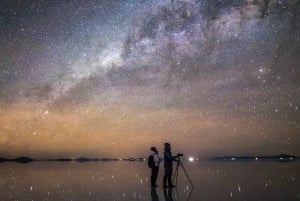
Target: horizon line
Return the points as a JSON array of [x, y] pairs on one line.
[[279, 157]]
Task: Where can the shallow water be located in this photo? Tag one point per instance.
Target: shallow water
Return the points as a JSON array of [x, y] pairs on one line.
[[123, 180]]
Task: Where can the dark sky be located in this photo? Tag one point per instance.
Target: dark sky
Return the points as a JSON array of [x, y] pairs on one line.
[[113, 78]]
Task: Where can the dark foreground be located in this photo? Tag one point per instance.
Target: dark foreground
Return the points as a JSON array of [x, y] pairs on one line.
[[124, 180]]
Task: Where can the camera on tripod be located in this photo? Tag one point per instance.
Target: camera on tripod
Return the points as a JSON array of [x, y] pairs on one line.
[[179, 155]]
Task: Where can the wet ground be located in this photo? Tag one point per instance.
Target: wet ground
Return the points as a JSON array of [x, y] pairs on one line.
[[124, 180]]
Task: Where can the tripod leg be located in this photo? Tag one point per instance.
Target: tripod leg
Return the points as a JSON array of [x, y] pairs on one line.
[[175, 179], [186, 174]]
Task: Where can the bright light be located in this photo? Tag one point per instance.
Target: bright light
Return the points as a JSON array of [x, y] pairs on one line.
[[191, 159]]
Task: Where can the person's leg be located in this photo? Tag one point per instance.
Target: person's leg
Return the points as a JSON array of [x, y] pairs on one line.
[[152, 177], [170, 177], [167, 170], [155, 175]]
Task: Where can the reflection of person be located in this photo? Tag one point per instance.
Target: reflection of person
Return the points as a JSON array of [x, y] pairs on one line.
[[155, 168], [168, 194], [168, 158], [154, 196]]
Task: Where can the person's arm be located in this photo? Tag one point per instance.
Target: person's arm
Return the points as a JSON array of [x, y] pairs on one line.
[[169, 155], [174, 158]]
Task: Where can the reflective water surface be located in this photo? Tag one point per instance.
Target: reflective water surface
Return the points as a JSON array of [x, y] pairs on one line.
[[59, 181]]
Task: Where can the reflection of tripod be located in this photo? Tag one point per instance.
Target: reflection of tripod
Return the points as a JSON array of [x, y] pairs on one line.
[[175, 178]]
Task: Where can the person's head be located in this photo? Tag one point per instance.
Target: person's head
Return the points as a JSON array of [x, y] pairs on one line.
[[154, 149], [167, 146]]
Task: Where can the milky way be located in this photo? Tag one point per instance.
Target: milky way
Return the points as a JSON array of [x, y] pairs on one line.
[[115, 77]]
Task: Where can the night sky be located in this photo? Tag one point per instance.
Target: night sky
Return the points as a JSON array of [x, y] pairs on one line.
[[113, 78]]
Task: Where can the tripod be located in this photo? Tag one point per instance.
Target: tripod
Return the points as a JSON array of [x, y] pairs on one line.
[[175, 178]]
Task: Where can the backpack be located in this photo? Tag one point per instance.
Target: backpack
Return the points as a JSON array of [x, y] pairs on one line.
[[151, 163]]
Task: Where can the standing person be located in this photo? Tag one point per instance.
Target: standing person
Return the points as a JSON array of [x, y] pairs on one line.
[[168, 160], [153, 163]]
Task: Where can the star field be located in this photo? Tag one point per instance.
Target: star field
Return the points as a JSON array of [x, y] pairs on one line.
[[111, 77]]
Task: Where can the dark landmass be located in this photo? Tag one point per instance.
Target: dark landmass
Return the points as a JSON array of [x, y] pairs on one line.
[[62, 160], [276, 158], [19, 160], [24, 160], [3, 160], [109, 159], [83, 160], [140, 159], [129, 159]]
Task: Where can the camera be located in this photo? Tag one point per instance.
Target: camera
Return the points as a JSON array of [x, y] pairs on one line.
[[179, 154]]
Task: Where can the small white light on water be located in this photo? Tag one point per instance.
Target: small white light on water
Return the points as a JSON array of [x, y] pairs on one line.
[[191, 159]]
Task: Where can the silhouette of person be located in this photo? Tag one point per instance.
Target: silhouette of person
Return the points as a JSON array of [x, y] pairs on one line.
[[155, 168], [154, 196], [168, 164], [168, 194]]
